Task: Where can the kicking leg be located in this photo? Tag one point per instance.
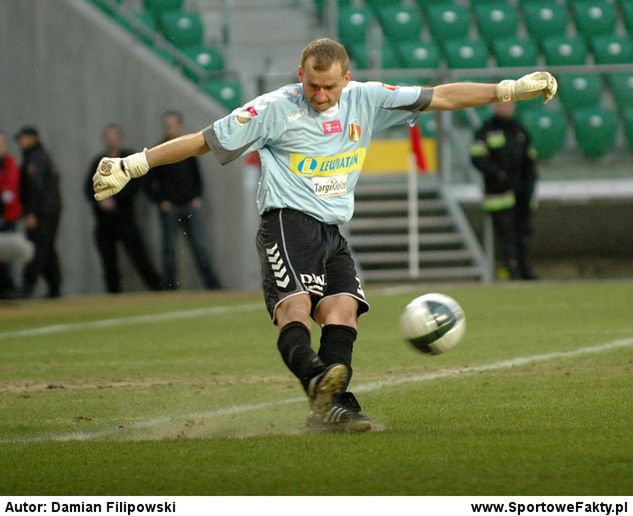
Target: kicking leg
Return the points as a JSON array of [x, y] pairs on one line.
[[338, 317], [319, 381]]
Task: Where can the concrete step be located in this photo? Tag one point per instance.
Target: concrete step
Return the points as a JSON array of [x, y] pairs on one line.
[[365, 206], [402, 240], [425, 274], [382, 223], [444, 257]]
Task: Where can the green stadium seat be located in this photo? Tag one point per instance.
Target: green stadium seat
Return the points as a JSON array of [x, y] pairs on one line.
[[561, 50], [420, 55], [621, 85], [612, 49], [515, 52], [378, 4], [352, 24], [627, 120], [547, 130], [525, 106], [401, 80], [159, 7], [496, 20], [365, 58], [627, 14], [359, 55], [387, 56], [424, 5], [447, 22], [595, 130], [525, 3], [209, 59], [545, 18], [182, 29], [227, 93], [414, 54], [594, 17], [579, 90], [466, 53], [400, 23]]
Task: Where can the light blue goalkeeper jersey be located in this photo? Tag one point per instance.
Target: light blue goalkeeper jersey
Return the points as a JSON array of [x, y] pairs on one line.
[[311, 161]]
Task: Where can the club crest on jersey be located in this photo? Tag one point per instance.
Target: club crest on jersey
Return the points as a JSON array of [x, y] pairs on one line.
[[246, 115], [332, 127], [354, 132]]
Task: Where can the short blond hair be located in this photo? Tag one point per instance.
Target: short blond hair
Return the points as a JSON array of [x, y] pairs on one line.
[[325, 52]]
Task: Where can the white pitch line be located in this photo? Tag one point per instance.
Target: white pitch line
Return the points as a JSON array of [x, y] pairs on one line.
[[150, 318], [126, 321], [366, 387]]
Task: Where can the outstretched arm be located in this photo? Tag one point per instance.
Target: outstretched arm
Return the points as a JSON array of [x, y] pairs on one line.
[[177, 150], [461, 95], [114, 173]]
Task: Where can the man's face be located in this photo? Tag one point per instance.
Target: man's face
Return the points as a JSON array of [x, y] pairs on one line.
[[112, 138], [26, 141], [322, 89], [172, 127], [505, 109]]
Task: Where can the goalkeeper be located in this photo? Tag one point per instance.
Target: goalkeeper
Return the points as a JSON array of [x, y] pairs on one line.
[[312, 138]]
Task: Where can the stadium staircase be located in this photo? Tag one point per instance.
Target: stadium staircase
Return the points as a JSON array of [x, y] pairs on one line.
[[379, 235]]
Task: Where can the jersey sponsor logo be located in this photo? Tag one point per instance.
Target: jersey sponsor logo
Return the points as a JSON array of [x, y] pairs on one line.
[[296, 116], [307, 166], [313, 283], [354, 132], [310, 166], [332, 127], [329, 186]]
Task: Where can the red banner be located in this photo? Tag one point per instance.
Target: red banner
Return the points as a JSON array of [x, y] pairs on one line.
[[417, 148]]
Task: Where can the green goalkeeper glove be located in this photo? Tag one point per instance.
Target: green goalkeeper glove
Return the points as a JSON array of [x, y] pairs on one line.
[[114, 173], [528, 87]]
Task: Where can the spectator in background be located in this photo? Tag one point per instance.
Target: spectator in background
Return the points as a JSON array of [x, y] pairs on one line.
[[10, 211], [41, 202], [177, 189], [116, 222], [503, 154]]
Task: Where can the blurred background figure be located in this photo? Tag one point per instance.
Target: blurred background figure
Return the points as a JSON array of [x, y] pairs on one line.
[[177, 190], [41, 202], [115, 220], [10, 212], [503, 154]]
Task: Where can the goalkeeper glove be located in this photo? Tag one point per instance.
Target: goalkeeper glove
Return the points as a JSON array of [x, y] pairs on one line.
[[528, 87], [114, 173]]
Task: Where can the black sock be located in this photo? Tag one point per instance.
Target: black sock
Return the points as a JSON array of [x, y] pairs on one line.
[[294, 346], [337, 342]]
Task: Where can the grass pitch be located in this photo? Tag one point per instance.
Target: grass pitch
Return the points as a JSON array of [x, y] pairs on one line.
[[185, 394]]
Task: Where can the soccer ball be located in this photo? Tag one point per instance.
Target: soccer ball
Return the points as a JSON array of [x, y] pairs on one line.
[[433, 323]]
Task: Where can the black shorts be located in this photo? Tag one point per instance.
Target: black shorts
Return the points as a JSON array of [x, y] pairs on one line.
[[300, 254]]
